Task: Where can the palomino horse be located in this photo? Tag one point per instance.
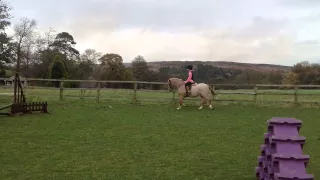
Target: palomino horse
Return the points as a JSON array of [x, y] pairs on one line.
[[203, 90]]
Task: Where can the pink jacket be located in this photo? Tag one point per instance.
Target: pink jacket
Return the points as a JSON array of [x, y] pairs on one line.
[[189, 77]]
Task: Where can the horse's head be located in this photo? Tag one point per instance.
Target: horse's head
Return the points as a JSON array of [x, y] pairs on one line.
[[174, 83], [170, 87]]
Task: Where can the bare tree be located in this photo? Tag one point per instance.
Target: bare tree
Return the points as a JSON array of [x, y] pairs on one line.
[[91, 55], [44, 41], [23, 34]]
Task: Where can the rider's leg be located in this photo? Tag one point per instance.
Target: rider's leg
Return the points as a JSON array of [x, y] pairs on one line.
[[188, 84]]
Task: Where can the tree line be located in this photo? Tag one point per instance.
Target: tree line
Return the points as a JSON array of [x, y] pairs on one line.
[[52, 55]]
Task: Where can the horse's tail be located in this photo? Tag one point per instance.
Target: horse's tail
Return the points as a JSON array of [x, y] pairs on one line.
[[211, 89]]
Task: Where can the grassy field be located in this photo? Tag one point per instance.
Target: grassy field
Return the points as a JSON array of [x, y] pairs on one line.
[[87, 140]]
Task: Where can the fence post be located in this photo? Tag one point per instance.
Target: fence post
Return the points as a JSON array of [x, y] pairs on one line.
[[135, 87], [98, 92], [255, 93], [61, 90], [24, 87], [81, 93], [295, 94], [25, 84]]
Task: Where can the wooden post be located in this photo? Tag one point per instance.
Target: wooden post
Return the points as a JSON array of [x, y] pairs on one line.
[[81, 93], [135, 92], [25, 87], [98, 92], [295, 94], [255, 93], [15, 86], [61, 90]]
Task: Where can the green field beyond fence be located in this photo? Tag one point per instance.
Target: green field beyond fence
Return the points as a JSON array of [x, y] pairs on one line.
[[302, 94]]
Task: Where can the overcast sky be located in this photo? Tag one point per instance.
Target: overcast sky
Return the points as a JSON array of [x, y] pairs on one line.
[[258, 31]]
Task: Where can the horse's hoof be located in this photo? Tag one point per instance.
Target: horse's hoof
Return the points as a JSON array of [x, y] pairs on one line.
[[200, 108]]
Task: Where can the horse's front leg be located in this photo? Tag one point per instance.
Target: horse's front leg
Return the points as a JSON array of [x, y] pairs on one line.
[[180, 101]]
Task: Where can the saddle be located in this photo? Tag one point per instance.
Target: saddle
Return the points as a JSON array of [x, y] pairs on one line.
[[193, 84]]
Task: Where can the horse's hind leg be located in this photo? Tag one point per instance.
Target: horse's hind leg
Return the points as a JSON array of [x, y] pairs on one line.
[[203, 101], [210, 104]]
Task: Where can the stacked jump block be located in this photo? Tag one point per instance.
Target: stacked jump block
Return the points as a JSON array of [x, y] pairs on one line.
[[282, 155]]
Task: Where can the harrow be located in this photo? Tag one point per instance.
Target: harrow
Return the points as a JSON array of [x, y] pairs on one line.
[[19, 104]]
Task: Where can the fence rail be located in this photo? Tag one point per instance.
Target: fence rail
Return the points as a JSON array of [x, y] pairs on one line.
[[253, 90], [163, 83]]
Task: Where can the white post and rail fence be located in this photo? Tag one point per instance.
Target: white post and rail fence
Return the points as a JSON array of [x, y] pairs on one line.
[[157, 91]]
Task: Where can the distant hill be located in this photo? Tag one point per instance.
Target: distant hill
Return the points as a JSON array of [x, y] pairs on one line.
[[155, 66]]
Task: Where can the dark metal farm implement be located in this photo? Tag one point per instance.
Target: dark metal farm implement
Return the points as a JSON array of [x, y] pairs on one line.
[[20, 105]]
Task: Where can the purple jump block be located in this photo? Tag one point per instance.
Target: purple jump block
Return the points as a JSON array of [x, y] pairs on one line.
[[279, 176], [278, 125], [290, 165], [287, 145], [263, 148], [284, 120], [260, 174], [258, 171], [266, 138], [284, 126], [269, 153], [268, 172], [300, 139], [283, 130], [261, 160]]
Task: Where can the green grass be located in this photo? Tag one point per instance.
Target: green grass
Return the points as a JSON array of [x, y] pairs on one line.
[[85, 140]]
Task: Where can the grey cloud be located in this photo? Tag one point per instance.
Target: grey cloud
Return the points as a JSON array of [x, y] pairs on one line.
[[259, 28], [168, 15], [308, 43], [262, 27], [165, 14], [310, 18], [223, 24], [300, 3], [155, 14]]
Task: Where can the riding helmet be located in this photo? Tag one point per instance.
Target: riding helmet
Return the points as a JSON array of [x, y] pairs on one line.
[[189, 67]]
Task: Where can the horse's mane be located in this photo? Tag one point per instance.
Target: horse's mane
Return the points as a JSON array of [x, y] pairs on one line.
[[176, 78]]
